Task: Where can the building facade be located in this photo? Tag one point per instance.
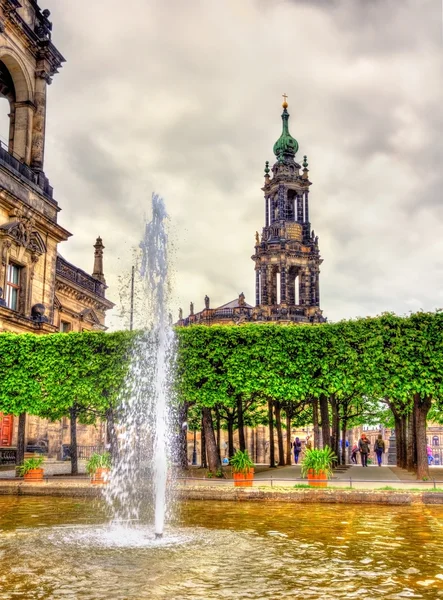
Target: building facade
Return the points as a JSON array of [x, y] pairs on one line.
[[40, 292], [286, 255]]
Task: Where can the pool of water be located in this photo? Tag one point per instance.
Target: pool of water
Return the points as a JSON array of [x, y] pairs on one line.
[[58, 548]]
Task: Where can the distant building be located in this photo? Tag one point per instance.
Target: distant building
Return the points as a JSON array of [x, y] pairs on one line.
[[286, 256]]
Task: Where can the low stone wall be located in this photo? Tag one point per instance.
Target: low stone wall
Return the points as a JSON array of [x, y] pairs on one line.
[[319, 496], [82, 488]]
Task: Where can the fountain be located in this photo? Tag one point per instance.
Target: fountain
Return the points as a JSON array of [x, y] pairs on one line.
[[145, 415]]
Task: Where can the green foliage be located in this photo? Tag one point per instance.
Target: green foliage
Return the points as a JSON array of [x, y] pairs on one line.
[[241, 462], [52, 375], [29, 464], [318, 460], [98, 461]]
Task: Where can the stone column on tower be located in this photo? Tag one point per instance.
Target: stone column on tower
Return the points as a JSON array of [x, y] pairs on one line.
[[98, 261]]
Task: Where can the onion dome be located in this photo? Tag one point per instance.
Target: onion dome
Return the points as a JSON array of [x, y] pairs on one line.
[[286, 146]]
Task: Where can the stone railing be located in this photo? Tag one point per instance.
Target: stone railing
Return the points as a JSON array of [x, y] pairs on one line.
[[12, 163], [79, 277]]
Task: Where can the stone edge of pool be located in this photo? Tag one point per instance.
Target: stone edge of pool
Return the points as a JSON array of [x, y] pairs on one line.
[[85, 489]]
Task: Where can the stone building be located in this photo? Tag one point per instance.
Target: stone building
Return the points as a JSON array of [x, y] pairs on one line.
[[40, 291], [286, 255]]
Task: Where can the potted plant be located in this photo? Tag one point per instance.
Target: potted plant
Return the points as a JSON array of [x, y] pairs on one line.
[[242, 469], [98, 467], [31, 469], [317, 465]]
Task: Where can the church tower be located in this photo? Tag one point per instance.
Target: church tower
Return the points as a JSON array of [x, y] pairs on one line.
[[287, 258]]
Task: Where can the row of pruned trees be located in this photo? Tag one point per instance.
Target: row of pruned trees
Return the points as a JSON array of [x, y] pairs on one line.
[[75, 375], [386, 369]]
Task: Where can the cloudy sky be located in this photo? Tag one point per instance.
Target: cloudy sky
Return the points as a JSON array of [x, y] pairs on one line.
[[184, 98]]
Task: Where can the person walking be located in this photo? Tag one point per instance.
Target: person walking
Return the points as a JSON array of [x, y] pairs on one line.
[[297, 449], [379, 448], [363, 448], [354, 453], [429, 453]]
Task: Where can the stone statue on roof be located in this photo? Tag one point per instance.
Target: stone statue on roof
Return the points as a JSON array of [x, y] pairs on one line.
[[206, 301]]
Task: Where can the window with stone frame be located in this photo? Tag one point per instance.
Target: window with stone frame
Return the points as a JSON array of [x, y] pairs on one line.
[[435, 440], [65, 326], [14, 279]]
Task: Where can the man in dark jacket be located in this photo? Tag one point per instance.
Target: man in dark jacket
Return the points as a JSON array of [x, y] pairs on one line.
[[364, 448]]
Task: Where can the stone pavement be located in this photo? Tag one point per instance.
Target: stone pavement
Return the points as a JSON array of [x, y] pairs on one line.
[[355, 476], [52, 468]]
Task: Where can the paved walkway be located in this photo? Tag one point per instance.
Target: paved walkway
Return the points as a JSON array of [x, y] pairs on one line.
[[355, 476]]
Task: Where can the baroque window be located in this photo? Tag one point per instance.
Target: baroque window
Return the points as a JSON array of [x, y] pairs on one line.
[[13, 286]]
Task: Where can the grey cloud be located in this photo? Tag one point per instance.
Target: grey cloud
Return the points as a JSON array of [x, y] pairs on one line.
[[184, 99]]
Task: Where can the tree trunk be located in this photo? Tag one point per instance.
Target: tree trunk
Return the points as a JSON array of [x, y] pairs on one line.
[[21, 445], [230, 422], [218, 426], [288, 439], [73, 446], [344, 426], [271, 434], [335, 438], [111, 434], [281, 453], [421, 409], [203, 461], [410, 459], [211, 444], [325, 426], [399, 441], [404, 438], [241, 425], [182, 450], [315, 423]]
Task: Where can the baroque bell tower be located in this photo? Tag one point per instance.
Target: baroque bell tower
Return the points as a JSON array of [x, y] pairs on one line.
[[287, 257]]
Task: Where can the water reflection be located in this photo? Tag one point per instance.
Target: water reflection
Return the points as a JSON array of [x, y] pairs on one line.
[[60, 548]]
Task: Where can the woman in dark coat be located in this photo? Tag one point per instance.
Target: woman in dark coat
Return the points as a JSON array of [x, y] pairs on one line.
[[364, 448]]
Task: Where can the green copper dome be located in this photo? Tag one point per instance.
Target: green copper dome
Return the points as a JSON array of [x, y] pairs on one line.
[[286, 146]]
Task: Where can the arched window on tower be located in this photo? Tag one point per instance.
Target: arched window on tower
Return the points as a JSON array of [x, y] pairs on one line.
[[4, 122]]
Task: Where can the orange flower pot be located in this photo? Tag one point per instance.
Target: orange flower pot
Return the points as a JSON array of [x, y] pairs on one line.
[[319, 480], [243, 478], [101, 476], [34, 475]]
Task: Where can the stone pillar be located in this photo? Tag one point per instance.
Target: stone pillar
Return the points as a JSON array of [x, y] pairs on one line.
[[98, 260], [283, 284], [257, 287], [23, 123], [281, 201], [264, 286], [317, 288], [313, 289], [42, 79], [392, 450], [267, 209], [306, 206], [299, 208]]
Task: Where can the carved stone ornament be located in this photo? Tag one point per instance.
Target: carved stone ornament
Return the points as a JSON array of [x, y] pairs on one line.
[[21, 229]]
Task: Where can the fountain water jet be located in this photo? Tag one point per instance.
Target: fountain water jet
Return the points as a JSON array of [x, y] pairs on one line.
[[145, 414]]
